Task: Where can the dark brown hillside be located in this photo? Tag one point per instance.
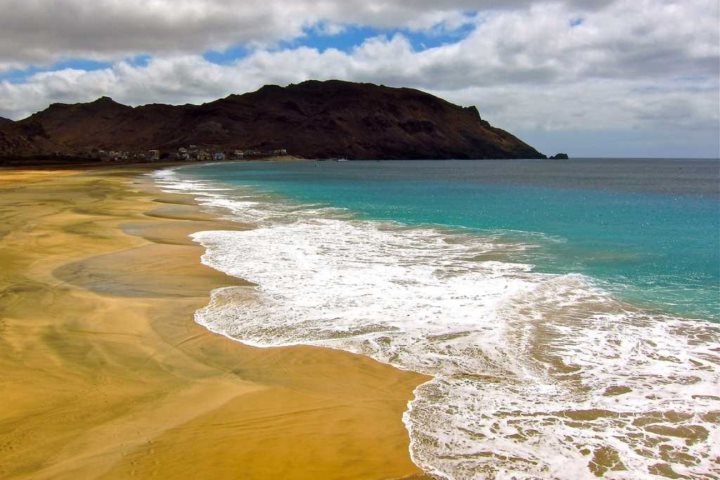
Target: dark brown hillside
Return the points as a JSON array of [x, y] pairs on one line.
[[24, 139], [312, 119]]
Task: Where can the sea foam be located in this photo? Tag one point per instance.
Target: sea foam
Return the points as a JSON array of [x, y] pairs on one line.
[[534, 375]]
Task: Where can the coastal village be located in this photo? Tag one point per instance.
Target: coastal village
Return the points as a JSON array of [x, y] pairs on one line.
[[191, 153]]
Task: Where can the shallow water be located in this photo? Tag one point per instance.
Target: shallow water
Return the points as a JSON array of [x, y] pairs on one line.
[[550, 303]]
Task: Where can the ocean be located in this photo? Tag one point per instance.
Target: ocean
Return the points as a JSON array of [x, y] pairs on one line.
[[567, 310]]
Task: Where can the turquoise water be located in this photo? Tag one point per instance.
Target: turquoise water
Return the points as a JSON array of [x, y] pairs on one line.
[[646, 230], [550, 303]]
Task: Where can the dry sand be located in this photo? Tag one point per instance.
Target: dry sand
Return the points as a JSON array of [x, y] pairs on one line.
[[105, 375]]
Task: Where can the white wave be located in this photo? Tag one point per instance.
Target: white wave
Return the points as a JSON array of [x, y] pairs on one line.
[[535, 375]]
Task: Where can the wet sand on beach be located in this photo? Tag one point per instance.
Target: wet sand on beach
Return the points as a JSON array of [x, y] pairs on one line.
[[105, 375]]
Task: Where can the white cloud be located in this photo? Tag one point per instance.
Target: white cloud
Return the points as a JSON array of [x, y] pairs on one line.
[[42, 31]]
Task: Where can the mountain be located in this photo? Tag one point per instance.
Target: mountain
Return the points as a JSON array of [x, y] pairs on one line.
[[24, 139], [312, 119]]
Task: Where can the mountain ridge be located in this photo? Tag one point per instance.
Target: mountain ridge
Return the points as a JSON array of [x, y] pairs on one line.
[[312, 119]]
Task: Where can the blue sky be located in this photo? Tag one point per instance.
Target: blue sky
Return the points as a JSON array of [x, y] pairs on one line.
[[592, 78], [350, 37], [20, 75], [346, 40]]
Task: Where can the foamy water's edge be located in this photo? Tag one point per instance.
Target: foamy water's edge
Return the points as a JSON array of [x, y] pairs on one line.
[[535, 375]]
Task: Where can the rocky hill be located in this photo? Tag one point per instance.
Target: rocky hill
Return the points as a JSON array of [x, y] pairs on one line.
[[312, 119]]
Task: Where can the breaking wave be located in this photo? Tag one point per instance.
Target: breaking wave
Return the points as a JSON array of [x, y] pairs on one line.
[[534, 375]]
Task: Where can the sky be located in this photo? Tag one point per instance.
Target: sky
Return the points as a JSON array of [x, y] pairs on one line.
[[593, 78]]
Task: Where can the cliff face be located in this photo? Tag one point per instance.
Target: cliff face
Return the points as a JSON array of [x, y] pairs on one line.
[[312, 119]]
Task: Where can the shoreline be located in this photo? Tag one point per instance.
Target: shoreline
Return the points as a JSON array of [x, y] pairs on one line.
[[106, 374], [523, 362]]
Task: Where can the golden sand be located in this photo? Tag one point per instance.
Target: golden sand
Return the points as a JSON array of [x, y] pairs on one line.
[[105, 375]]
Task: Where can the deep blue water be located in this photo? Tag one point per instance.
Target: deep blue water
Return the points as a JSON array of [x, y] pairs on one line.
[[647, 230]]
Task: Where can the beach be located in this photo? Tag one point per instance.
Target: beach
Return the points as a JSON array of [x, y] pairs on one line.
[[106, 375]]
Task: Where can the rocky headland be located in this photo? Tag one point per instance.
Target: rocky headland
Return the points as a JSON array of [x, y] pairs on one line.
[[313, 119]]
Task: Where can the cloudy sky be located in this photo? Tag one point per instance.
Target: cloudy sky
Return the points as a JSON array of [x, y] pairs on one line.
[[591, 77]]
